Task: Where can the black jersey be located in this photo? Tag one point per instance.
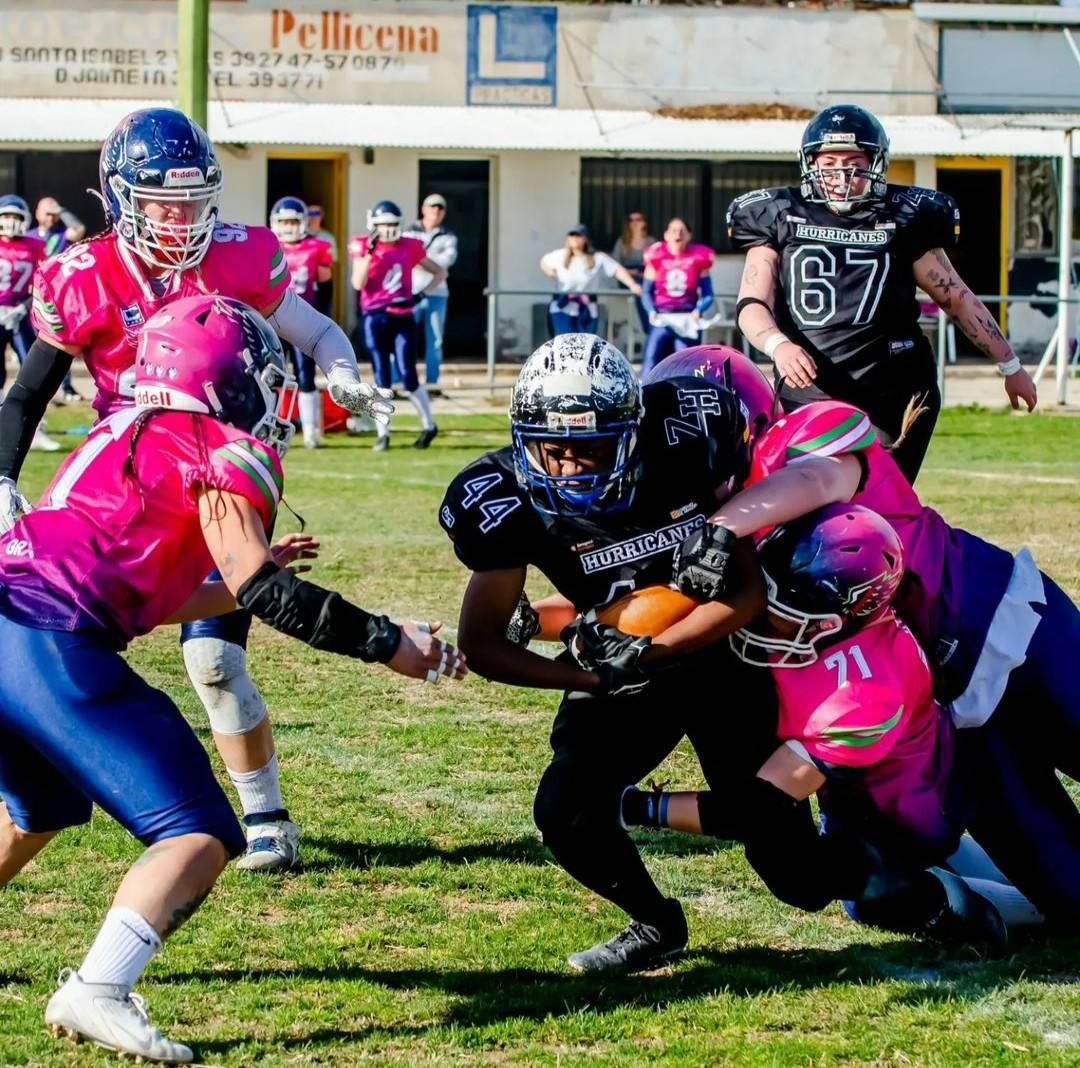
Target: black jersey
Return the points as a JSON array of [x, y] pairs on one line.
[[685, 441], [846, 292]]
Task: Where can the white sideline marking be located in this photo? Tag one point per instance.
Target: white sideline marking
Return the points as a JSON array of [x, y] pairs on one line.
[[1004, 476]]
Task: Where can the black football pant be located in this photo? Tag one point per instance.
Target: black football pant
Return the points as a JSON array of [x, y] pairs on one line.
[[884, 394], [601, 745]]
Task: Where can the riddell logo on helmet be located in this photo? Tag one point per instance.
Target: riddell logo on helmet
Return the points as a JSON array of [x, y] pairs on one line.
[[153, 397], [183, 176]]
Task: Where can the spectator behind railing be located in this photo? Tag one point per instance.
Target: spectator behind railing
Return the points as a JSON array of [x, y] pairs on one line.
[[578, 269]]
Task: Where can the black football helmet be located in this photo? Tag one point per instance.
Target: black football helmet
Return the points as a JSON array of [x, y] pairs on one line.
[[577, 387], [838, 128]]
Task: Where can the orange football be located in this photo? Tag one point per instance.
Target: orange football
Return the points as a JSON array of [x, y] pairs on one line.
[[647, 611]]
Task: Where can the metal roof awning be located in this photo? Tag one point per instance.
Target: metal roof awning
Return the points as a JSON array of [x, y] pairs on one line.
[[528, 129]]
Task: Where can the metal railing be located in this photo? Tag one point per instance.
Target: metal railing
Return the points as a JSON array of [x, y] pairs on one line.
[[943, 327]]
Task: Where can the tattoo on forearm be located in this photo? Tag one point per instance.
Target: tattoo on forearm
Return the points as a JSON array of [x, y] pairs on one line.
[[184, 913], [227, 566]]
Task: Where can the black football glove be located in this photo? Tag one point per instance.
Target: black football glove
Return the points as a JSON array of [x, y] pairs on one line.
[[524, 624], [606, 650], [702, 563], [372, 238]]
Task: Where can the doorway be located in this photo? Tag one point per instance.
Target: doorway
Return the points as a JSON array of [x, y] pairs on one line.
[[464, 183], [316, 178], [68, 176], [980, 188]]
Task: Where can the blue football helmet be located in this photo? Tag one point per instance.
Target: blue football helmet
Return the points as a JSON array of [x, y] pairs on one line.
[[288, 219], [577, 389], [384, 221], [14, 216], [160, 155]]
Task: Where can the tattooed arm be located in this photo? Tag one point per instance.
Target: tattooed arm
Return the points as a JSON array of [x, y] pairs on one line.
[[758, 324], [938, 277]]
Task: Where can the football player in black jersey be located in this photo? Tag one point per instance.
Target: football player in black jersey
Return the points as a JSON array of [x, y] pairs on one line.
[[602, 482], [828, 290]]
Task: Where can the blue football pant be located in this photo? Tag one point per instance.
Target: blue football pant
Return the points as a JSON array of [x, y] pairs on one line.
[[78, 725], [659, 345], [391, 339], [20, 339]]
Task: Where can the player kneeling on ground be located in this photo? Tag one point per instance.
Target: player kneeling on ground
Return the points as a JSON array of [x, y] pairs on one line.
[[602, 480], [187, 478]]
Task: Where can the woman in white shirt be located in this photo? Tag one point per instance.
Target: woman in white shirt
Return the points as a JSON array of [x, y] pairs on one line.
[[578, 271]]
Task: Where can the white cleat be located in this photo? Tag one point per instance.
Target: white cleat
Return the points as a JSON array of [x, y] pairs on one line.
[[111, 1016], [311, 440], [271, 846], [43, 443]]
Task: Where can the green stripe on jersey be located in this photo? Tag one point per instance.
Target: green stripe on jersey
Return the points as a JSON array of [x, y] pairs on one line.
[[829, 435], [278, 266], [860, 737], [253, 476], [261, 453]]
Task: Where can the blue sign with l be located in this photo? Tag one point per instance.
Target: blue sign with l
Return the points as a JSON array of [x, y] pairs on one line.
[[511, 55]]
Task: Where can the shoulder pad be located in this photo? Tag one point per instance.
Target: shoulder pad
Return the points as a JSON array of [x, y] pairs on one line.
[[752, 217]]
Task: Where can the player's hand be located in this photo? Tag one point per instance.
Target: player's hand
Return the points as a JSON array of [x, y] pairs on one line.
[[12, 504], [292, 547], [360, 398], [702, 563], [795, 364], [615, 657], [372, 239], [524, 624], [1020, 386], [421, 655]]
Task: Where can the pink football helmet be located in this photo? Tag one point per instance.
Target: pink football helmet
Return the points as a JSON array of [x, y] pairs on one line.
[[828, 574], [730, 368], [219, 357]]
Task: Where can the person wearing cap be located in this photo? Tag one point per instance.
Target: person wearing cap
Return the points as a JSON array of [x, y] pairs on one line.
[[578, 270], [57, 226], [324, 295], [441, 244]]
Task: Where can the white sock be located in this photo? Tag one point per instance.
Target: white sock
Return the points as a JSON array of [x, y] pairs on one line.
[[122, 949], [382, 429], [1015, 909], [422, 402], [260, 790], [309, 413]]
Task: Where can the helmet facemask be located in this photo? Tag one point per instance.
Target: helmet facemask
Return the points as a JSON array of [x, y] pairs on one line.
[[784, 637], [168, 244], [13, 223], [606, 490], [289, 227], [844, 188]]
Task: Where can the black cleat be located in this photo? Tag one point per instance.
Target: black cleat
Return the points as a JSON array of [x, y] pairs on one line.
[[637, 947], [381, 443], [426, 438], [966, 918]]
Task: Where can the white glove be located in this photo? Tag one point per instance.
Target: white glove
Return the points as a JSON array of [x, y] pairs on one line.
[[12, 504], [12, 315], [360, 398]]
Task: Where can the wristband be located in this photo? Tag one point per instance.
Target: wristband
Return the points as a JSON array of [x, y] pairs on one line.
[[773, 342], [1009, 366], [745, 302]]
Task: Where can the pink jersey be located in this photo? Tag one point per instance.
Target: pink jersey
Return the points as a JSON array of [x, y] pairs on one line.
[[96, 296], [953, 580], [865, 713], [304, 258], [118, 547], [389, 281], [677, 274], [19, 257]]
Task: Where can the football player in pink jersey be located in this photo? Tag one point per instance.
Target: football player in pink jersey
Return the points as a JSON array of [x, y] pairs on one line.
[[859, 727], [382, 263], [310, 261], [186, 478], [160, 185], [20, 253], [676, 281], [1001, 635]]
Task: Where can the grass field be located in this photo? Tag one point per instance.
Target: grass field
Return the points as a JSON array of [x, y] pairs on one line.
[[428, 924]]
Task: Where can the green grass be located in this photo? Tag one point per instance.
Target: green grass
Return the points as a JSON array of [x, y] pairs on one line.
[[428, 923]]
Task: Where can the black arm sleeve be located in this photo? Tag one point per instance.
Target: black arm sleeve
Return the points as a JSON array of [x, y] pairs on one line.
[[39, 378], [323, 619]]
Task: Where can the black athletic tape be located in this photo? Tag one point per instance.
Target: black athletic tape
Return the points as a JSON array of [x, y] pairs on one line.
[[40, 377], [323, 619], [746, 302]]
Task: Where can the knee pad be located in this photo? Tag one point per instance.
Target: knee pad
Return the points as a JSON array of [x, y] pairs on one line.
[[218, 671]]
